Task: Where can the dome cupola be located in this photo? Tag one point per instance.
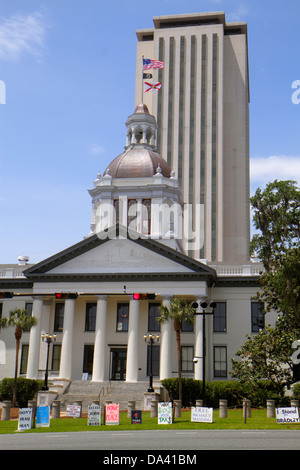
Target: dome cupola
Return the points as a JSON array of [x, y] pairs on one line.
[[139, 159]]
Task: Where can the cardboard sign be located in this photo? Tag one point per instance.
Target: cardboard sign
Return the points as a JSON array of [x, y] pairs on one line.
[[164, 413], [287, 415], [43, 416], [94, 415], [25, 419], [112, 413], [202, 415], [73, 411]]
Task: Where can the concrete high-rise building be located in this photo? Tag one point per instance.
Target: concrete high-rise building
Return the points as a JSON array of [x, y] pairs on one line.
[[202, 113]]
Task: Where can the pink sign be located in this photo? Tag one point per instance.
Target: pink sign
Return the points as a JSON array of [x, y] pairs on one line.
[[112, 413]]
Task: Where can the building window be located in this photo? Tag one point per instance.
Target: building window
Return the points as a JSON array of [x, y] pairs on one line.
[[153, 313], [24, 358], [187, 327], [132, 214], [146, 216], [88, 356], [90, 316], [56, 351], [187, 356], [1, 308], [257, 316], [220, 322], [220, 361], [122, 317], [59, 316], [116, 215], [28, 308], [155, 359]]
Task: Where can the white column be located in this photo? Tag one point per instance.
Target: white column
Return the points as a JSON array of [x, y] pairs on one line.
[[198, 351], [100, 340], [67, 340], [35, 340], [166, 346], [133, 340]]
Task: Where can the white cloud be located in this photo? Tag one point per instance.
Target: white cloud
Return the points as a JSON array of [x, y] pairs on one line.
[[239, 14], [268, 169], [95, 149], [21, 34]]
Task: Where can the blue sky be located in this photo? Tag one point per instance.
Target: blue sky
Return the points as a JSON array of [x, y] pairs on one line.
[[68, 67]]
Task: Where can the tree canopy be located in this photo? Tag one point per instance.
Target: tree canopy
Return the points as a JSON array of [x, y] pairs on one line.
[[276, 216]]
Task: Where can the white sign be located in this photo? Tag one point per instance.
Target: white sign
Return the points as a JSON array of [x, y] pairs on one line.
[[25, 419], [164, 413], [73, 411], [94, 415], [202, 415], [287, 415]]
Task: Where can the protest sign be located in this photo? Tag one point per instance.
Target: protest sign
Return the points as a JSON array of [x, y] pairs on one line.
[[164, 413], [43, 416], [94, 415], [202, 415], [73, 411], [136, 417], [112, 413], [25, 419], [287, 415]]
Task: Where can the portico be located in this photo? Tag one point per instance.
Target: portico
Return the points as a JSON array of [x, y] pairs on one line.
[[168, 274]]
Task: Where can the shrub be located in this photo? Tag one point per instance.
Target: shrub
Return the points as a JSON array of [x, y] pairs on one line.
[[231, 390], [296, 391], [26, 390]]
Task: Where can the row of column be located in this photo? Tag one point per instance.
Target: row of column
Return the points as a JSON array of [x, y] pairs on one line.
[[132, 365]]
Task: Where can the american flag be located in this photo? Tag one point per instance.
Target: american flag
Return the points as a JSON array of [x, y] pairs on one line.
[[152, 64]]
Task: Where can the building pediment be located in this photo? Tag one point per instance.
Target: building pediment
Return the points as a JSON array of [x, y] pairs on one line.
[[117, 253]]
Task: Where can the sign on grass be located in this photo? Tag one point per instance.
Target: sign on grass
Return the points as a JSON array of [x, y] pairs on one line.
[[112, 413], [73, 411], [164, 413], [25, 419], [287, 415], [202, 415], [94, 415], [43, 416], [136, 417]]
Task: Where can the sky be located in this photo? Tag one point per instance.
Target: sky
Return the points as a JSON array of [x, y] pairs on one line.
[[67, 86]]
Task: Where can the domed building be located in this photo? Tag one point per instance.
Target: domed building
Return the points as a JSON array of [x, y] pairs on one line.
[[138, 189], [85, 295]]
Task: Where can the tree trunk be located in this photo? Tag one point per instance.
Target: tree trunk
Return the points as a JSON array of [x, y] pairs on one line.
[[177, 327], [18, 336]]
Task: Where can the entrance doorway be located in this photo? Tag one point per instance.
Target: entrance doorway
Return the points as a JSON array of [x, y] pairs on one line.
[[118, 363]]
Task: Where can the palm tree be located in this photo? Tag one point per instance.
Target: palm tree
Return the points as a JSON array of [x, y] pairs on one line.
[[19, 319], [178, 311]]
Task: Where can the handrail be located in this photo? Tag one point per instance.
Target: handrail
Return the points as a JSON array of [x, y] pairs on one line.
[[102, 390]]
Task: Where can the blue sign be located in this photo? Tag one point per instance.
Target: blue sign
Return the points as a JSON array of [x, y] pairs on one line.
[[42, 416]]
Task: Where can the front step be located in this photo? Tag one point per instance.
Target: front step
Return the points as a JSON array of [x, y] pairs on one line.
[[114, 391]]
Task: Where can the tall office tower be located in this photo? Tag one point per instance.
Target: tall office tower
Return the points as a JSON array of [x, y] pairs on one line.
[[202, 113]]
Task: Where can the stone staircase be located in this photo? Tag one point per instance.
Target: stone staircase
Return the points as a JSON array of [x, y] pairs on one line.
[[114, 391]]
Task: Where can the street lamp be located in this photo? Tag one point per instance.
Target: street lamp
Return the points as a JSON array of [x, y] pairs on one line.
[[150, 339], [47, 338], [204, 306]]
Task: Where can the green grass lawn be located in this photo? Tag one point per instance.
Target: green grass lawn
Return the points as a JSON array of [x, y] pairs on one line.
[[234, 420]]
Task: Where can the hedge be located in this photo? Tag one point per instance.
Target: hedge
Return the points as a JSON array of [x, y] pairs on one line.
[[26, 390], [233, 391]]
